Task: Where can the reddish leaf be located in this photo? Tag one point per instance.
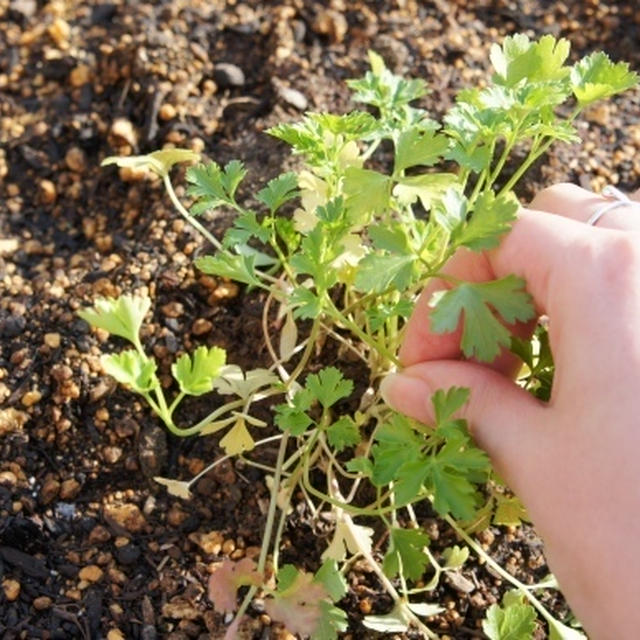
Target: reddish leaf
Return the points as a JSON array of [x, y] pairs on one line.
[[225, 580], [298, 606]]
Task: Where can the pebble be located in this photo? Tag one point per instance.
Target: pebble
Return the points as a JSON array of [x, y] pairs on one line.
[[42, 602], [69, 489], [91, 573], [75, 159], [99, 535], [48, 193], [111, 455], [80, 75], [31, 397], [128, 554], [8, 477], [59, 30], [228, 75], [201, 326], [115, 634], [12, 420], [52, 340], [293, 97], [123, 132], [26, 8], [167, 111], [49, 491], [127, 515], [11, 589], [209, 542]]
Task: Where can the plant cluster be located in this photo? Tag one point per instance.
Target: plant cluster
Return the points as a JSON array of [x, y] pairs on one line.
[[341, 250]]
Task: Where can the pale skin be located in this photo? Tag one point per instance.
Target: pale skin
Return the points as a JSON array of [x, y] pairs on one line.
[[574, 461]]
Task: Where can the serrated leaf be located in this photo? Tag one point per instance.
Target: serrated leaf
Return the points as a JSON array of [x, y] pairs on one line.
[[384, 311], [297, 602], [212, 186], [332, 620], [361, 465], [490, 219], [332, 579], [159, 161], [377, 272], [416, 147], [446, 403], [328, 386], [343, 433], [405, 554], [278, 191], [450, 211], [396, 444], [483, 334], [133, 369], [195, 373], [121, 316], [227, 578], [178, 488], [350, 537], [366, 192], [427, 188], [232, 380], [307, 305], [246, 226], [293, 417], [455, 557], [452, 492], [596, 77], [514, 620], [509, 511], [240, 268], [536, 61], [237, 439]]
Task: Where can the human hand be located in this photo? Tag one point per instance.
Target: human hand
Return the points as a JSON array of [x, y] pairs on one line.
[[574, 460]]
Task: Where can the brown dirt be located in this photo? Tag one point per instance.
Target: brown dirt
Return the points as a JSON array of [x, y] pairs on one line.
[[83, 80]]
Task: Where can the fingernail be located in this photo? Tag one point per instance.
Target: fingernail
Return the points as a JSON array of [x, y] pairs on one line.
[[407, 394], [386, 387]]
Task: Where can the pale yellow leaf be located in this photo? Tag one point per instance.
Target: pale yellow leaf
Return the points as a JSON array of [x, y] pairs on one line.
[[288, 337], [238, 439], [177, 488]]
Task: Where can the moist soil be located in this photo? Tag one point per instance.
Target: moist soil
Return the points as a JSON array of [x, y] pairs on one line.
[[90, 546]]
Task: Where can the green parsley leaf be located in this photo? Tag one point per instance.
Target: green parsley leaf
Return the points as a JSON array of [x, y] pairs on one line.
[[377, 272], [514, 620], [332, 620], [384, 311], [366, 192], [278, 191], [396, 443], [228, 265], [519, 58], [245, 226], [133, 369], [483, 334], [343, 434], [293, 417], [446, 403], [490, 220], [330, 577], [426, 187], [212, 186], [596, 77], [328, 386], [121, 316], [306, 304], [195, 374], [405, 553], [417, 147]]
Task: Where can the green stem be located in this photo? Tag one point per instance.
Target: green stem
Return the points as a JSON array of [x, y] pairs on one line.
[[186, 215], [354, 328]]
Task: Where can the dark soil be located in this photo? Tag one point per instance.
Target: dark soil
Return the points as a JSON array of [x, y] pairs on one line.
[[90, 546]]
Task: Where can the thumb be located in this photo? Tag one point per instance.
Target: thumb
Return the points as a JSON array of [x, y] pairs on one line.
[[504, 420]]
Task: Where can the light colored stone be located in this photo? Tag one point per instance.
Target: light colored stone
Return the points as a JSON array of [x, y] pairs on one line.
[[127, 515], [91, 573], [11, 589]]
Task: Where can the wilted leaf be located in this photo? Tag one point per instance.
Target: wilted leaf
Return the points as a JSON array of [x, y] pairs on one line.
[[177, 488]]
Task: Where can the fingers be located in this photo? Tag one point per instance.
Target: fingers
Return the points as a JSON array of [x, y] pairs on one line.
[[571, 201], [505, 420]]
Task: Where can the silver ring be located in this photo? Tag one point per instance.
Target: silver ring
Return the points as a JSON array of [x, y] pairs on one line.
[[619, 200]]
